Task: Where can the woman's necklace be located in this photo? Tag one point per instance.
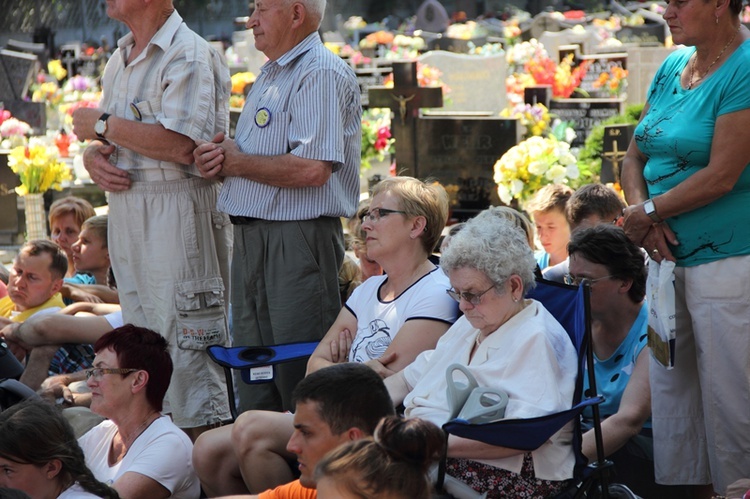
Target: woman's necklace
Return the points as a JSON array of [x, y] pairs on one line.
[[692, 66], [137, 432]]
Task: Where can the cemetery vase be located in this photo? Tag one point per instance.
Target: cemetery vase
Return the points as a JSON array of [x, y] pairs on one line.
[[36, 227]]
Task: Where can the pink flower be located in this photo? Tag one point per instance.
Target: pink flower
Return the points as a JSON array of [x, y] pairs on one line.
[[384, 132], [4, 115], [381, 143]]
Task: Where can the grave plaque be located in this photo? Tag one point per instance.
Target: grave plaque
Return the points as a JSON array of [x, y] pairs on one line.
[[461, 151], [555, 42], [598, 64], [614, 146], [370, 77], [585, 114], [16, 74], [648, 34], [477, 84]]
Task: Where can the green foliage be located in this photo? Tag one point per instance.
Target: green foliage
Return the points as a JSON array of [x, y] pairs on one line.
[[590, 155]]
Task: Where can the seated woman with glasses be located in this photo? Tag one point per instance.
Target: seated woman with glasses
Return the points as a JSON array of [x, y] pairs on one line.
[[137, 450], [614, 267], [508, 343], [385, 324]]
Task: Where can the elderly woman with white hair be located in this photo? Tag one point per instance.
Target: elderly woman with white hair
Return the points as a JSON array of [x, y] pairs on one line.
[[508, 343]]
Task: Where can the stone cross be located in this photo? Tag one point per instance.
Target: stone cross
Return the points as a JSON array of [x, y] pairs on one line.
[[405, 99]]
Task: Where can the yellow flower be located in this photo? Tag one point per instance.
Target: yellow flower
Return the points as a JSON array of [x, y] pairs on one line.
[[56, 69], [240, 80], [38, 169]]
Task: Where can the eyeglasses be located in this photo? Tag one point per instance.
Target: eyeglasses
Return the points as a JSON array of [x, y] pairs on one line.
[[375, 214], [576, 281], [98, 372], [474, 299]]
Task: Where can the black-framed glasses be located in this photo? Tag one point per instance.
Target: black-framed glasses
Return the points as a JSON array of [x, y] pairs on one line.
[[576, 280], [474, 299], [375, 214], [98, 372]]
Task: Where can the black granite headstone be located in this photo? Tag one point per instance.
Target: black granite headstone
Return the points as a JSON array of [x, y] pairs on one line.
[[460, 152], [614, 146], [370, 77], [585, 114]]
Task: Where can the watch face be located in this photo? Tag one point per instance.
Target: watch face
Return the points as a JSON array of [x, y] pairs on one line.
[[100, 127]]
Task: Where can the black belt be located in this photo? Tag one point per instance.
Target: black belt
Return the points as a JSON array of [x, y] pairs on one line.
[[243, 220]]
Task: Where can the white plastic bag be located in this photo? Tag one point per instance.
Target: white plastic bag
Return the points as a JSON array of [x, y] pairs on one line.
[[661, 317]]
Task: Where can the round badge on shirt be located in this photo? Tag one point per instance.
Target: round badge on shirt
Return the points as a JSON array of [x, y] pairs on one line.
[[262, 117]]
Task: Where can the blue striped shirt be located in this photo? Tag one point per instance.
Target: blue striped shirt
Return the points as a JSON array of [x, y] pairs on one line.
[[311, 98]]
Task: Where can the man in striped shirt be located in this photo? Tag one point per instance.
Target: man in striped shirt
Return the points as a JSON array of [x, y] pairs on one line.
[[290, 173]]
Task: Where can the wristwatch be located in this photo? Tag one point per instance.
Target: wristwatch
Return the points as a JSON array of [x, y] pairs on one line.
[[100, 127], [650, 209]]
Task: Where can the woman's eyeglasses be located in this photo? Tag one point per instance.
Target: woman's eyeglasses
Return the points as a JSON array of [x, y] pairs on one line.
[[98, 372], [474, 299], [375, 214]]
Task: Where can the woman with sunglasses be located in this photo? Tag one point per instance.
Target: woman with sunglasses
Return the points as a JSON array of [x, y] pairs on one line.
[[137, 449], [508, 343], [385, 324]]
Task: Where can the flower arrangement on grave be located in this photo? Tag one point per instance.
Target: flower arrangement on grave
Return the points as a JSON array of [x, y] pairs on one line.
[[78, 92], [405, 47], [38, 168], [486, 50], [465, 31], [614, 81], [521, 53], [512, 32], [240, 81], [356, 58], [427, 76], [376, 136], [13, 132], [745, 14], [378, 38], [535, 118], [563, 77], [532, 164]]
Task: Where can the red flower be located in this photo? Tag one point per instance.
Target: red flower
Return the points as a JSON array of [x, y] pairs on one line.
[[384, 132], [381, 143]]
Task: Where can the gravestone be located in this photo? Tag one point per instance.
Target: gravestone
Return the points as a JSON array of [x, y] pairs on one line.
[[585, 114], [460, 152], [614, 146], [16, 74], [544, 21], [432, 17], [652, 32], [477, 83], [405, 100], [598, 64], [9, 220], [243, 43], [554, 42], [370, 77], [642, 65], [537, 94]]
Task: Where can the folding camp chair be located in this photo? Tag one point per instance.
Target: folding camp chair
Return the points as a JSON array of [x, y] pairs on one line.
[[256, 364], [570, 306], [11, 390]]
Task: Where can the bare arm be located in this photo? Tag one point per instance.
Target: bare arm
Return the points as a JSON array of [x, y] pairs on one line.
[[134, 485], [94, 293], [55, 329], [397, 387], [413, 338], [333, 347], [459, 447], [634, 410], [222, 157], [148, 139]]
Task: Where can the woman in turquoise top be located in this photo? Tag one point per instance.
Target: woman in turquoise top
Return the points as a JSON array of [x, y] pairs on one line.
[[687, 180]]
